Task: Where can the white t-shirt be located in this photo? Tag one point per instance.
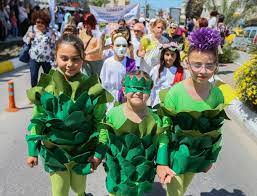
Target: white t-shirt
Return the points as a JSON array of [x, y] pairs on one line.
[[166, 80], [22, 14], [212, 23]]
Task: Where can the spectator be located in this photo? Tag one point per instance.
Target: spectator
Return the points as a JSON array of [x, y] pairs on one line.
[[122, 22], [92, 40], [255, 39], [202, 22], [222, 28], [172, 34], [14, 24], [133, 22], [60, 18], [76, 17], [23, 19], [138, 32], [42, 40], [3, 22], [190, 24], [212, 23], [65, 21]]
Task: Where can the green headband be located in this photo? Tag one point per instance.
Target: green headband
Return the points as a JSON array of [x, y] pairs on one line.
[[133, 85]]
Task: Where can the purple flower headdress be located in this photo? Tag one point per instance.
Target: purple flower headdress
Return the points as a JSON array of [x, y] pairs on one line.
[[204, 39]]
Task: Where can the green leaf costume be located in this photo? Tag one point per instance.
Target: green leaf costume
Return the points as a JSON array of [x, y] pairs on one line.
[[64, 126], [131, 151], [195, 139]]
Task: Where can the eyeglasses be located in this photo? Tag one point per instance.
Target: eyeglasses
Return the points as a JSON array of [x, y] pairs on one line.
[[40, 22], [199, 66]]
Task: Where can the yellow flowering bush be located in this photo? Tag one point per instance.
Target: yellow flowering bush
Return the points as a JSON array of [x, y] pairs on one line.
[[246, 82]]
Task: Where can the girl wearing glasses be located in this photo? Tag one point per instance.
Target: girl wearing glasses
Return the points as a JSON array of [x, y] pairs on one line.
[[42, 40], [196, 108]]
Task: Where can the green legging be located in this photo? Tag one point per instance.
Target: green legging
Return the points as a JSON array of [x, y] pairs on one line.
[[179, 184], [62, 181]]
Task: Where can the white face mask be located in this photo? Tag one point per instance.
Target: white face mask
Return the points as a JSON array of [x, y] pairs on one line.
[[120, 46]]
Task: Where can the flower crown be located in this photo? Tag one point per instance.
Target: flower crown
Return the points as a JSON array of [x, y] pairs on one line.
[[204, 39], [173, 46]]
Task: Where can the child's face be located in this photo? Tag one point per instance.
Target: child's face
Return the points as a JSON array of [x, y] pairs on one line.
[[120, 46], [202, 66], [169, 58], [137, 99], [137, 94], [69, 60]]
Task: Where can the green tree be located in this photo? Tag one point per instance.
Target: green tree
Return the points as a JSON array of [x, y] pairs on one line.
[[229, 11], [99, 3], [194, 8]]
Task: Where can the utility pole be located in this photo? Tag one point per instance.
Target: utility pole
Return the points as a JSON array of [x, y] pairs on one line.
[[145, 8]]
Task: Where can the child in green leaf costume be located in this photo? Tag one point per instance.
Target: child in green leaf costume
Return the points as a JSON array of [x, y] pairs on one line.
[[196, 108], [133, 140], [67, 108]]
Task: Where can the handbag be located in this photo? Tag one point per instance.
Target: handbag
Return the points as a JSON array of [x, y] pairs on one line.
[[24, 53]]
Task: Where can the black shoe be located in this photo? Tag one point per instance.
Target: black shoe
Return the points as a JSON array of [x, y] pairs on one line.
[[89, 194]]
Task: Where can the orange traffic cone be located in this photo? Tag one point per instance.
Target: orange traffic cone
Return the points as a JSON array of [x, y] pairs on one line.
[[12, 106]]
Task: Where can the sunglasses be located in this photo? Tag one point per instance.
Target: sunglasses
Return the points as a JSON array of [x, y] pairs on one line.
[[40, 22]]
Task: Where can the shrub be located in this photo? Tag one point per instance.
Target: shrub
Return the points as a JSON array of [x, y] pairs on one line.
[[246, 82], [229, 54]]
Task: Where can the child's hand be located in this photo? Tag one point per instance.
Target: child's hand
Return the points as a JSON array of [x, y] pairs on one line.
[[32, 161], [95, 162], [165, 174], [207, 169]]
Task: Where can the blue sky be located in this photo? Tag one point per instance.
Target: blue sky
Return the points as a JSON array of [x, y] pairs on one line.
[[157, 4]]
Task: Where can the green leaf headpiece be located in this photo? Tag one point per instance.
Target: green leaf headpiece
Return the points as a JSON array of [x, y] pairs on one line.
[[133, 85]]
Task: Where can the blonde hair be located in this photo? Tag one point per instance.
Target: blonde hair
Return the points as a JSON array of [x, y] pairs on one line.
[[157, 21]]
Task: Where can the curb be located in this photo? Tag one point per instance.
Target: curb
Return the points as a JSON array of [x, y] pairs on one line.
[[10, 65], [243, 114]]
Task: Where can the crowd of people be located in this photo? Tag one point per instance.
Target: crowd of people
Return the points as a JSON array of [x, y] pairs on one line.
[[122, 94]]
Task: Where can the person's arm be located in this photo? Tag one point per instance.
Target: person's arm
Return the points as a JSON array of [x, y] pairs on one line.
[[28, 36], [94, 50], [102, 142], [163, 170], [34, 130]]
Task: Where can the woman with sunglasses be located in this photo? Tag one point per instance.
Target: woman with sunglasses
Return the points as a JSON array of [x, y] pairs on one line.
[[196, 108], [42, 40]]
